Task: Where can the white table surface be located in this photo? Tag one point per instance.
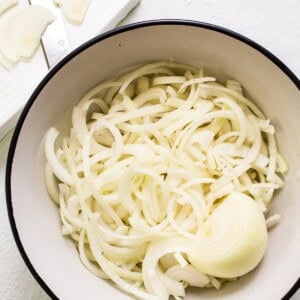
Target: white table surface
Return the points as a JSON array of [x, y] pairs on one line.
[[275, 24]]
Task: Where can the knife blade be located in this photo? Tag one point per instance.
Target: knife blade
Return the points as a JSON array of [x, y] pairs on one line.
[[55, 41]]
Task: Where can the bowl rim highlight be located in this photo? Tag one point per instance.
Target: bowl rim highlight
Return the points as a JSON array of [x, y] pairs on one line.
[[52, 72]]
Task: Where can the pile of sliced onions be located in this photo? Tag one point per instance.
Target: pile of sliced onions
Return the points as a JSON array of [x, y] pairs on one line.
[[165, 179]]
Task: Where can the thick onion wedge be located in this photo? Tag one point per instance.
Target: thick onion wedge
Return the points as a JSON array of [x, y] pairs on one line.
[[233, 240], [21, 30], [27, 28], [74, 10]]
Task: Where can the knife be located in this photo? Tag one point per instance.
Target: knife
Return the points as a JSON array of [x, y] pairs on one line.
[[55, 41]]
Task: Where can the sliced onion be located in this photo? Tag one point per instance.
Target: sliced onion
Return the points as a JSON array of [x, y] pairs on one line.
[[188, 274], [27, 29], [60, 172], [23, 31], [74, 10], [153, 175]]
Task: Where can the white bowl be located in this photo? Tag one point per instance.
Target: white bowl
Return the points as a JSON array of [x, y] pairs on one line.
[[53, 259]]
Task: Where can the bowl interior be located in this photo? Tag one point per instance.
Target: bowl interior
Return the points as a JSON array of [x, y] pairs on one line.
[[36, 218]]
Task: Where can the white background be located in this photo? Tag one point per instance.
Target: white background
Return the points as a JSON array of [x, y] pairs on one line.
[[275, 24]]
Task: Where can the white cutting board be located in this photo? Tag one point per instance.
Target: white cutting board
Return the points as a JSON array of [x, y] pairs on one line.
[[17, 85]]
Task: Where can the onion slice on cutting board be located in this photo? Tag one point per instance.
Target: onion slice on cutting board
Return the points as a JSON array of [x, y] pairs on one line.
[[73, 10], [21, 30], [27, 28]]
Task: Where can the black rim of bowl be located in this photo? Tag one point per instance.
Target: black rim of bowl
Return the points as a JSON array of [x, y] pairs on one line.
[[69, 57]]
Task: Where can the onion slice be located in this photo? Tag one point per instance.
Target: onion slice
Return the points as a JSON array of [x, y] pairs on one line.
[[73, 10], [21, 30], [27, 28]]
